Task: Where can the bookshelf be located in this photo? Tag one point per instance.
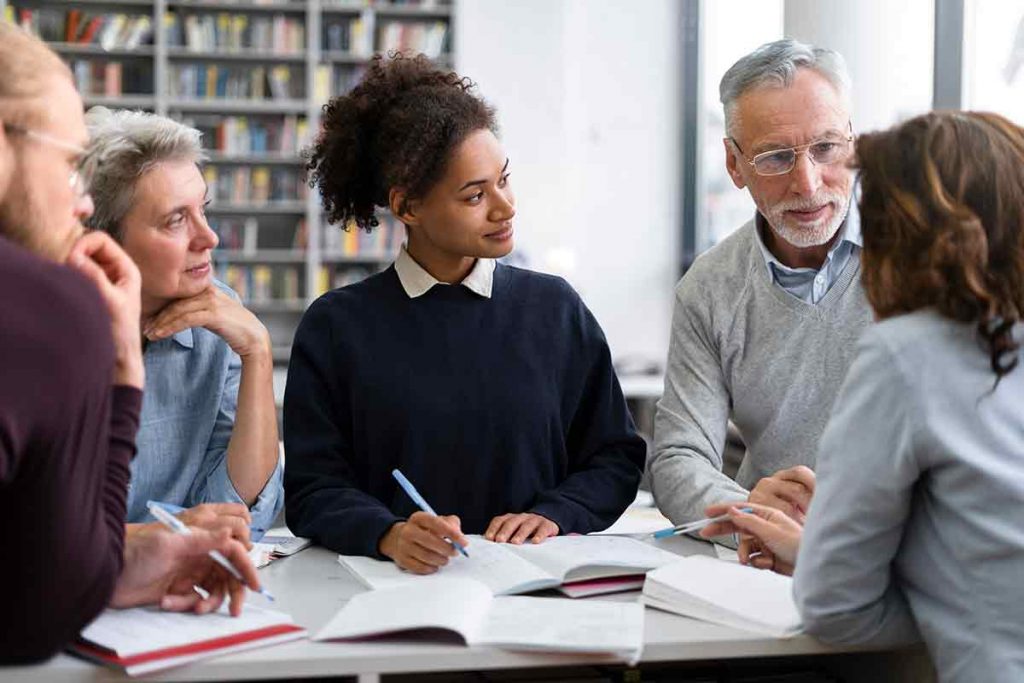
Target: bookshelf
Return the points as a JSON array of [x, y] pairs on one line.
[[253, 75]]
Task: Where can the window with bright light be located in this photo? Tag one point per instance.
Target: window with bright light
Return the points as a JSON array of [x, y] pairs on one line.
[[730, 29], [994, 57]]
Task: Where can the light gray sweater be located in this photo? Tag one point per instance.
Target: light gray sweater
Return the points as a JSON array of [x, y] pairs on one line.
[[919, 508], [743, 348]]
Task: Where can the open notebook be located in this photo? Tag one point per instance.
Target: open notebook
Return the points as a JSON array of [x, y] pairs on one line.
[[467, 607], [725, 593], [144, 639], [577, 565]]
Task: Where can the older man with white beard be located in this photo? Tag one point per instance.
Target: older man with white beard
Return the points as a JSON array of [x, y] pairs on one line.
[[765, 322]]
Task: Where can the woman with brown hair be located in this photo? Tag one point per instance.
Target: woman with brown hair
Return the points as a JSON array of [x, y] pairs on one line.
[[918, 518]]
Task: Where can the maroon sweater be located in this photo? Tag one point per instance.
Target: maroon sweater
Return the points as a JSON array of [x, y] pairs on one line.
[[66, 439]]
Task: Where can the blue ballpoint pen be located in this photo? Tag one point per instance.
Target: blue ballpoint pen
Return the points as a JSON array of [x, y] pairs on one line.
[[693, 526], [178, 527], [423, 504]]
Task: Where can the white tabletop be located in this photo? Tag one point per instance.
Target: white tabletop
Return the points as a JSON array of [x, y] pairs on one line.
[[312, 586]]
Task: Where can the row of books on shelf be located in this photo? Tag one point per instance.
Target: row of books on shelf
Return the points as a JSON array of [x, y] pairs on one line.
[[430, 38], [240, 135], [343, 34], [265, 284], [243, 235], [253, 184], [108, 30], [111, 78], [209, 81], [332, 278], [383, 241], [225, 31], [261, 284], [335, 80]]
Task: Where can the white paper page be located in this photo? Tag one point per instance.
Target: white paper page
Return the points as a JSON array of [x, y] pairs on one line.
[[489, 563], [561, 624], [638, 521], [453, 604], [725, 592], [561, 555], [260, 554], [144, 629]]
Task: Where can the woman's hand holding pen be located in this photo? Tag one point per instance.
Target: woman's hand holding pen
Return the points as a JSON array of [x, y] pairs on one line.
[[775, 535], [161, 567], [418, 544]]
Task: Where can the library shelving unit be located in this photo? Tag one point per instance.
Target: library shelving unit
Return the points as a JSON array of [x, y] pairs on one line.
[[253, 75]]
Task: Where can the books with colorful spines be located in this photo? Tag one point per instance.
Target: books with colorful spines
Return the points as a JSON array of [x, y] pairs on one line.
[[71, 25], [143, 640]]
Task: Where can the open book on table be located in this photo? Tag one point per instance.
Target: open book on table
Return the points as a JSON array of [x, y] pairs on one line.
[[725, 593], [467, 607], [576, 565], [145, 639]]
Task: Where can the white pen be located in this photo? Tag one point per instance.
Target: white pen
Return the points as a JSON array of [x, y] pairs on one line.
[[178, 527], [694, 526]]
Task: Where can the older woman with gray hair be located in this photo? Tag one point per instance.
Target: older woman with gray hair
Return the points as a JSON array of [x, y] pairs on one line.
[[208, 431]]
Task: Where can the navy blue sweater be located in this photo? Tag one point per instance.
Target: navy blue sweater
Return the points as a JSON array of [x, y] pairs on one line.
[[489, 406]]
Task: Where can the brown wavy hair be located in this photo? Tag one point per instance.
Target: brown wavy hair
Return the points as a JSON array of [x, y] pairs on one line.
[[942, 213]]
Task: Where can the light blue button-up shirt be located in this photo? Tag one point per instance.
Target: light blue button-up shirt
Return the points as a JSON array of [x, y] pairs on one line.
[[188, 412], [808, 284]]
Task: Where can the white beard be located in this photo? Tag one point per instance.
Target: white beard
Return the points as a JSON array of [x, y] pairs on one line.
[[815, 234]]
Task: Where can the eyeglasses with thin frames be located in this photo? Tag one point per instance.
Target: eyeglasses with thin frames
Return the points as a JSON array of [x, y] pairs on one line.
[[77, 179], [824, 151]]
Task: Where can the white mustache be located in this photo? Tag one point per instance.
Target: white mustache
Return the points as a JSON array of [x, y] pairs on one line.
[[810, 204]]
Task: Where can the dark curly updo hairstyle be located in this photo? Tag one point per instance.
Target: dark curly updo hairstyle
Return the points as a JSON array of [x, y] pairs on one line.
[[397, 128], [942, 213]]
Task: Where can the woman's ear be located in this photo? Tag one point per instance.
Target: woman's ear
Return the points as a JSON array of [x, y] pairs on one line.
[[402, 207]]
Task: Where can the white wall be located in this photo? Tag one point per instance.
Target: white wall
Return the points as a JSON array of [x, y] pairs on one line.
[[888, 47], [587, 93]]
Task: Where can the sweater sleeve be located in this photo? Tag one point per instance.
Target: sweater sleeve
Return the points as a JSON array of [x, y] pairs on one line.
[[324, 485], [692, 417], [65, 447], [606, 455], [844, 584]]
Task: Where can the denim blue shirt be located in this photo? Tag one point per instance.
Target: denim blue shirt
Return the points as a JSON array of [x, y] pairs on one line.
[[809, 284], [188, 412]]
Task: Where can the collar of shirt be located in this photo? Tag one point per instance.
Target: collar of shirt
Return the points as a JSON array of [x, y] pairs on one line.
[[849, 234], [184, 338], [416, 281]]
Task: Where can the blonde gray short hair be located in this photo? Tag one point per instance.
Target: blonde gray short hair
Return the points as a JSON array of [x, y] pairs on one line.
[[775, 65], [124, 146]]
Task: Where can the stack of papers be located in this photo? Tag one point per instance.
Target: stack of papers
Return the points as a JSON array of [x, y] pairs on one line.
[[725, 593], [144, 639]]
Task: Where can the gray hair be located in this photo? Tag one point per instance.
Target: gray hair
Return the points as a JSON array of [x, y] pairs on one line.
[[775, 65], [124, 146]]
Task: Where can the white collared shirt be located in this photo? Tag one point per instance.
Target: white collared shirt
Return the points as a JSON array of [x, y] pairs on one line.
[[416, 281]]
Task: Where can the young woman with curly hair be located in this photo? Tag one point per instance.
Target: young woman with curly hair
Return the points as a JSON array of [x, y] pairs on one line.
[[490, 387], [918, 517]]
